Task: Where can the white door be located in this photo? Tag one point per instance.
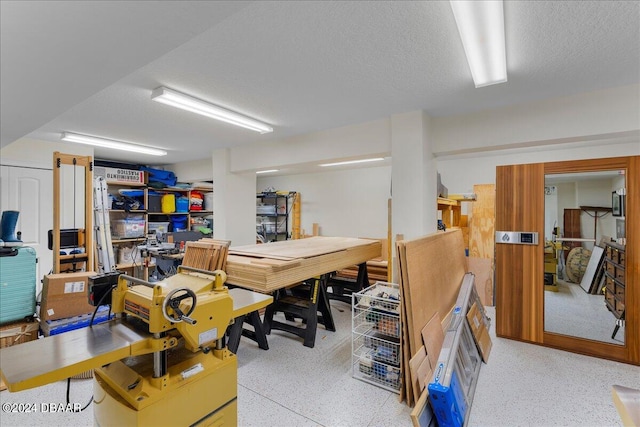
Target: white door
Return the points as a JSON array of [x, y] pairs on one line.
[[29, 191]]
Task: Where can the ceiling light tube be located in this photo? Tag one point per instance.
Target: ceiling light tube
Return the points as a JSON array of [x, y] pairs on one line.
[[350, 162], [110, 143], [179, 100], [481, 27], [268, 171]]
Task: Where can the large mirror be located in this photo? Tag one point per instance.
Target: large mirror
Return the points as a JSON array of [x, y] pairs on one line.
[[584, 258]]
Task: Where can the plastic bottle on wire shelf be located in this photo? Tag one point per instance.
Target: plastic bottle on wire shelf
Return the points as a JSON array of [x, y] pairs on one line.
[[182, 246]]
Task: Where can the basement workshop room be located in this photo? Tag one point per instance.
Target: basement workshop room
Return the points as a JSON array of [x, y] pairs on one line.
[[320, 213]]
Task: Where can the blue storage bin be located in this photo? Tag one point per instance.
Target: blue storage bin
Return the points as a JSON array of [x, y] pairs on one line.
[[182, 204], [179, 222]]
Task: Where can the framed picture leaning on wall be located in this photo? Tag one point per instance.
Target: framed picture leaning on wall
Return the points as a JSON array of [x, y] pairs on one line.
[[617, 204]]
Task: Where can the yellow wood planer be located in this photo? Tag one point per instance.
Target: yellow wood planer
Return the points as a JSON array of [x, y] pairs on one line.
[[161, 361]]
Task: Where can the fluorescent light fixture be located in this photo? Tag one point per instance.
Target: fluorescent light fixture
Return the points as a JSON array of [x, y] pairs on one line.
[[268, 171], [179, 100], [351, 162], [481, 27], [111, 143]]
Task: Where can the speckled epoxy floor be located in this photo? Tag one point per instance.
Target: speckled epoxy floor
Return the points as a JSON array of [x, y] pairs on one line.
[[292, 385]]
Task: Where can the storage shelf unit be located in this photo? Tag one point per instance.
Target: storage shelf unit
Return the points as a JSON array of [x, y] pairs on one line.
[[614, 279], [272, 216], [451, 212], [375, 345], [129, 227]]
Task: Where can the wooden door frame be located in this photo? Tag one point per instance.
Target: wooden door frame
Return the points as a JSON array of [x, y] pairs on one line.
[[530, 318]]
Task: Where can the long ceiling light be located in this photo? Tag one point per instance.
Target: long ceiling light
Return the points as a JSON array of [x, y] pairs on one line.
[[350, 162], [111, 143], [179, 100], [268, 171], [481, 27]]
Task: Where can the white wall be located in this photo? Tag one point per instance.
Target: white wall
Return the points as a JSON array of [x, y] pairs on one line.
[[40, 153], [357, 140], [196, 170], [460, 172], [577, 118], [346, 203]]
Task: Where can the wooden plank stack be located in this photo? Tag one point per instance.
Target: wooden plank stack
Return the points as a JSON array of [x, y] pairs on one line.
[[206, 254], [431, 272], [271, 266]]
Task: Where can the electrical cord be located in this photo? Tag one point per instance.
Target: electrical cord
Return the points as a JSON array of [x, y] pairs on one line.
[[69, 399]]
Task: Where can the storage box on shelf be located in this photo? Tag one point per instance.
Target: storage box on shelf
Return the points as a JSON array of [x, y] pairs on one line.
[[376, 350]]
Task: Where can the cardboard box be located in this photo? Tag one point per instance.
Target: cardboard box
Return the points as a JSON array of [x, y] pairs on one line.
[[18, 332], [480, 332], [65, 295]]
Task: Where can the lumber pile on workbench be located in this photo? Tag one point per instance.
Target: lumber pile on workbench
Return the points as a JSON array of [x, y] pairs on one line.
[[271, 266], [431, 272]]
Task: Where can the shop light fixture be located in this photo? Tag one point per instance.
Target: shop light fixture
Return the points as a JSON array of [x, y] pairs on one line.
[[186, 102], [350, 162], [268, 171], [481, 27], [111, 143]]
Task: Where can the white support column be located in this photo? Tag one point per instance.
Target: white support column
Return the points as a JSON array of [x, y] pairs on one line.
[[414, 176], [234, 202]]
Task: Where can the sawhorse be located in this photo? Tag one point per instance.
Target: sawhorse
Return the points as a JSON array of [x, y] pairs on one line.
[[304, 304]]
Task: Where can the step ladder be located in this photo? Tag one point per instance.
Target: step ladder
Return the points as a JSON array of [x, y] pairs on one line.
[[456, 374], [106, 259]]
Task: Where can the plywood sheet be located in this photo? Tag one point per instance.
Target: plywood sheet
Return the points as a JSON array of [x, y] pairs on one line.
[[254, 267], [482, 268], [432, 268], [302, 248], [482, 225], [414, 366], [433, 337]]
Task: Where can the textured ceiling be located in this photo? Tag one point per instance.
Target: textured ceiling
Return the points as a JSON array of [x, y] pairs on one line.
[[89, 67]]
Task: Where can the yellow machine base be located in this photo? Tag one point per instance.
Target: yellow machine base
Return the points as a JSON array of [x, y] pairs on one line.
[[209, 398]]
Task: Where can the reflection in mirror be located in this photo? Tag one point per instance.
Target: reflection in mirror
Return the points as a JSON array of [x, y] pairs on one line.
[[584, 255]]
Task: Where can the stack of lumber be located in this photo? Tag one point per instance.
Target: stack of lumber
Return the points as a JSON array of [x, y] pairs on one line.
[[206, 254], [431, 272], [270, 266]]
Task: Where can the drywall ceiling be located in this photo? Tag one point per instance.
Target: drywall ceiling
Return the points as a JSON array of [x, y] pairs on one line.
[[302, 66]]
